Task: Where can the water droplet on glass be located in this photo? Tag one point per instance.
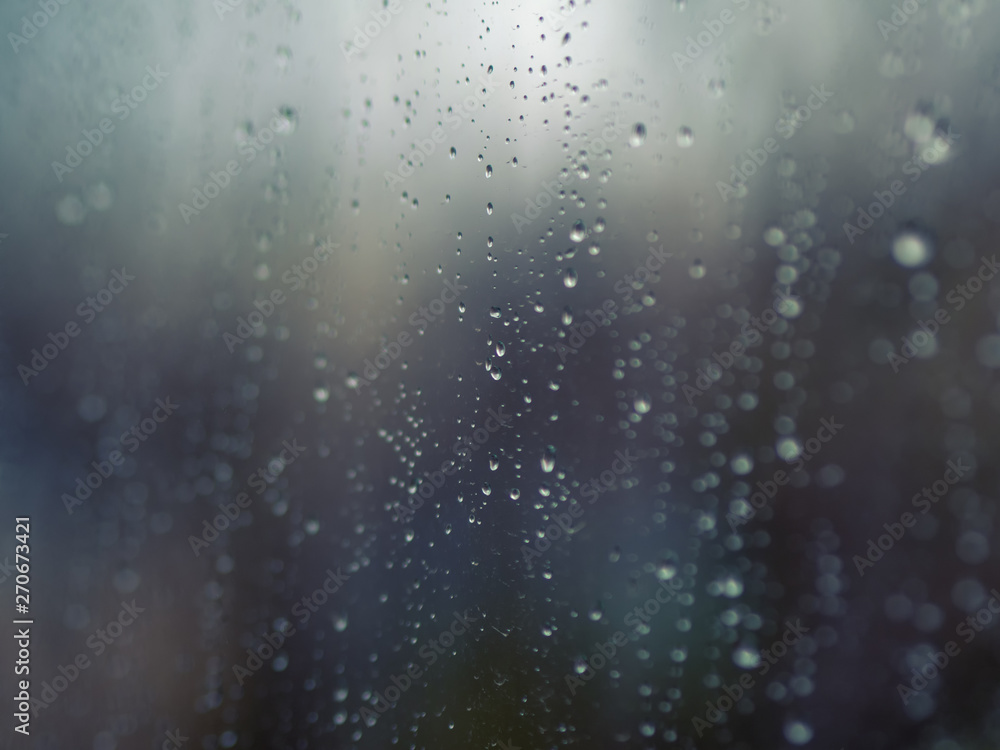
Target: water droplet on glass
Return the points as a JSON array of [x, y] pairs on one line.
[[911, 249], [489, 171], [642, 404], [100, 197], [666, 571], [489, 209], [452, 153], [70, 210], [746, 657], [741, 464], [685, 137], [578, 232], [798, 733], [569, 278], [288, 121], [638, 135], [774, 236], [549, 459]]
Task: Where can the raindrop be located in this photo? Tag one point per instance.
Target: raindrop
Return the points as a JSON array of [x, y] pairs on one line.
[[578, 232], [638, 135], [569, 278], [549, 459], [774, 236], [100, 197], [911, 250], [685, 137], [70, 210], [665, 571], [288, 121], [746, 657], [798, 733], [741, 464]]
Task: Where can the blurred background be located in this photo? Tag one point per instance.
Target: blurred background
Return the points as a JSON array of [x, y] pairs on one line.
[[496, 319]]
